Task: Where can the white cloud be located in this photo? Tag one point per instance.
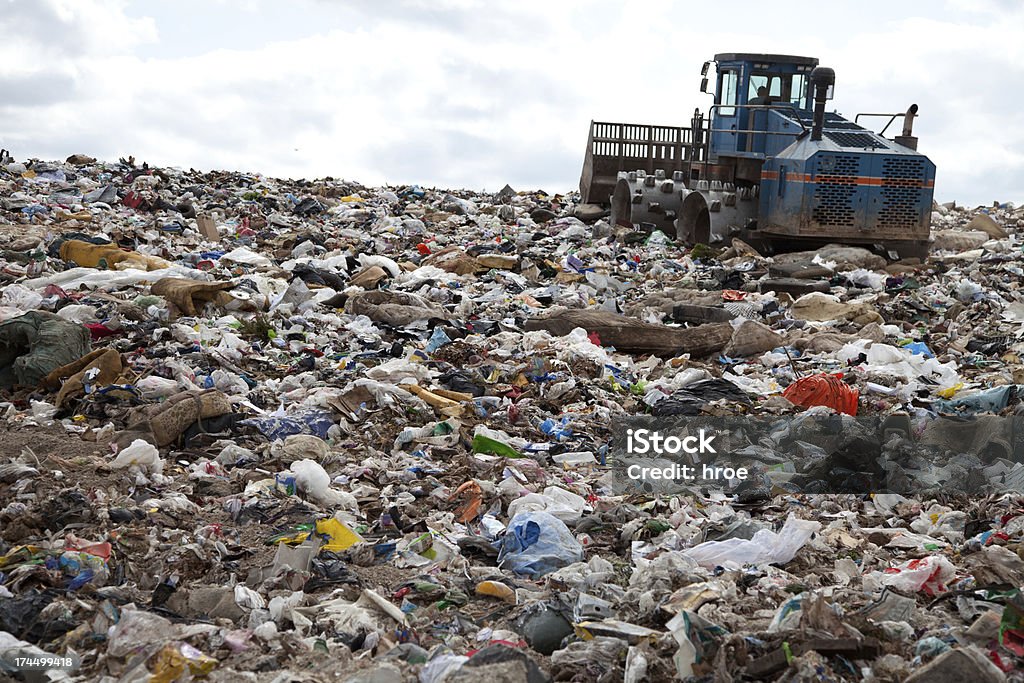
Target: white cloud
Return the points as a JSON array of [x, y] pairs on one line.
[[468, 93]]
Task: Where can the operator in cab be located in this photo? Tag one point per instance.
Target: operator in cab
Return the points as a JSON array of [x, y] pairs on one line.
[[762, 96]]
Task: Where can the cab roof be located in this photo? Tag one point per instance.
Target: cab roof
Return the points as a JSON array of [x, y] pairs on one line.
[[776, 59]]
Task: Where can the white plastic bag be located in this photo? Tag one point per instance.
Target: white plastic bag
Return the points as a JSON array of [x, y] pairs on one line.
[[245, 256], [154, 387], [140, 455], [928, 574], [21, 298], [766, 546], [313, 480], [247, 598], [78, 313], [42, 413], [232, 453], [562, 504], [401, 371], [229, 383], [939, 521], [368, 260], [867, 278]]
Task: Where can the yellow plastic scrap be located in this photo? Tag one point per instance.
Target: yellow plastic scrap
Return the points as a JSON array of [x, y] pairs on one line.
[[173, 661], [295, 539], [496, 589], [19, 554], [339, 535], [949, 392], [352, 198]]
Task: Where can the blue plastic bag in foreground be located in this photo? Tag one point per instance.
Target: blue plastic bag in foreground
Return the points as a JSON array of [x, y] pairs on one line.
[[538, 543], [313, 421]]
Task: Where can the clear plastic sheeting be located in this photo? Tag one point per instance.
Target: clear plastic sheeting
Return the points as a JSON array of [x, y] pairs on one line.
[[764, 547]]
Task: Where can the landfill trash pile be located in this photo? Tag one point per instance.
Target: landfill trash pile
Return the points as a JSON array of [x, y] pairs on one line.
[[275, 430]]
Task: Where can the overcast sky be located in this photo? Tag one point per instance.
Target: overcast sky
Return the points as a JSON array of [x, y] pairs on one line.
[[477, 93]]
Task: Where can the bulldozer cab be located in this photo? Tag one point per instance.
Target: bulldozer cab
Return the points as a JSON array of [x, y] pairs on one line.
[[749, 89], [734, 128]]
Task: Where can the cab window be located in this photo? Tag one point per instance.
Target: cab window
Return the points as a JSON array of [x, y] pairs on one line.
[[728, 82], [798, 91], [772, 84], [781, 89]]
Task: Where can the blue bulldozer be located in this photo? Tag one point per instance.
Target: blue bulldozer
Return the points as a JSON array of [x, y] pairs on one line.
[[767, 163]]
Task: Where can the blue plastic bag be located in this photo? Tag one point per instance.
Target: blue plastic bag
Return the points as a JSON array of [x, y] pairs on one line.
[[919, 349], [559, 430], [538, 543], [437, 340], [315, 422]]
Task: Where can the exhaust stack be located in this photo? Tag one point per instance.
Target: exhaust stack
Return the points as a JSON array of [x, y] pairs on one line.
[[908, 139], [822, 80]]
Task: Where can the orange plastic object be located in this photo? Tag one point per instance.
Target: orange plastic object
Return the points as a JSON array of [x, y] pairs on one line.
[[823, 390], [733, 295], [101, 550], [472, 497]]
